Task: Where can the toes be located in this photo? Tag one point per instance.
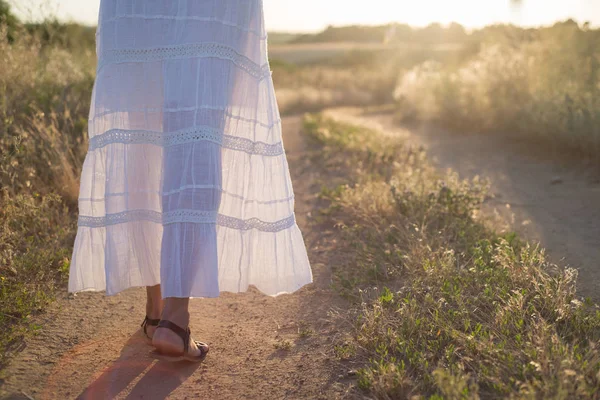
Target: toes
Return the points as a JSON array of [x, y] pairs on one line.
[[198, 348]]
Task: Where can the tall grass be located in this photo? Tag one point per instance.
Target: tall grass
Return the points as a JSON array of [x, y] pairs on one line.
[[444, 307], [543, 85], [45, 91]]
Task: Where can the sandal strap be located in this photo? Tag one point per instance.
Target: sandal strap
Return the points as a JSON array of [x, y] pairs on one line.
[[184, 334], [150, 321]]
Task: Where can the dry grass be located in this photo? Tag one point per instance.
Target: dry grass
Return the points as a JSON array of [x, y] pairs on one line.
[[45, 93], [545, 87], [446, 308]]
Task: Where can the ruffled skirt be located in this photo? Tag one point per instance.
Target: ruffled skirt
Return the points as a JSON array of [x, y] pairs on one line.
[[186, 181]]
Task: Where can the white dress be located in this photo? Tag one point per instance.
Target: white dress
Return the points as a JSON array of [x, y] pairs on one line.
[[186, 181]]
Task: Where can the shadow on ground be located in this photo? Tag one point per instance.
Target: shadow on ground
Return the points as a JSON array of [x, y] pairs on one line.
[[157, 379]]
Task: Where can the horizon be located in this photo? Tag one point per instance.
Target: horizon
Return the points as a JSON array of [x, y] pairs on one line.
[[288, 16]]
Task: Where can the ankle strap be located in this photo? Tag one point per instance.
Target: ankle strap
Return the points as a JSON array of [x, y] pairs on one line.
[[149, 321]]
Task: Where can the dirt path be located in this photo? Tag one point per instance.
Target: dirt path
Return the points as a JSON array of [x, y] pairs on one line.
[[91, 346], [534, 195]]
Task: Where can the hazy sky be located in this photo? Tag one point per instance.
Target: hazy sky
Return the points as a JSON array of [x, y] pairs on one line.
[[311, 15]]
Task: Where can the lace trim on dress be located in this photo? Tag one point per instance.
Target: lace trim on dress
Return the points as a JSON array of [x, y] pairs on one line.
[[225, 111], [255, 223], [183, 216], [205, 50], [183, 189], [192, 135]]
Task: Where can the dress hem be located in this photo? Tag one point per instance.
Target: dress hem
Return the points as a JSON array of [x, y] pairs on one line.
[[207, 296]]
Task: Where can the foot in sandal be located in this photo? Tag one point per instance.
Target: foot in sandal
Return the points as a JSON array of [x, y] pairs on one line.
[[174, 343]]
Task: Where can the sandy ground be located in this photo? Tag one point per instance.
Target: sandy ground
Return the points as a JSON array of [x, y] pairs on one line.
[[91, 346], [533, 193]]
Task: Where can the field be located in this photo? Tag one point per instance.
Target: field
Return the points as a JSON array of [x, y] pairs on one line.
[[437, 303]]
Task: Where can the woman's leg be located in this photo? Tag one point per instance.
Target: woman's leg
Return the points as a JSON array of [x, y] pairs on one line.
[[154, 306], [191, 188]]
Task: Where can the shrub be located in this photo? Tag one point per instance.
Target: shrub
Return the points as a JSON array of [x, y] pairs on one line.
[[544, 86]]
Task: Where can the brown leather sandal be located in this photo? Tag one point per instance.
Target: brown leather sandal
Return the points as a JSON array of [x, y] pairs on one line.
[[148, 321], [184, 334]]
